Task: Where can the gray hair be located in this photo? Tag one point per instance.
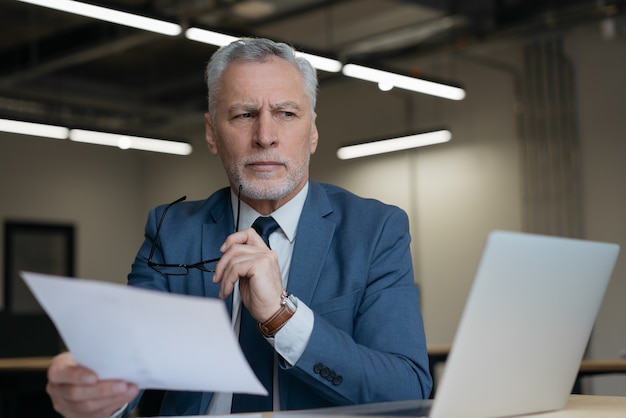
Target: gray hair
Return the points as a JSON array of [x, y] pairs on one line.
[[257, 50]]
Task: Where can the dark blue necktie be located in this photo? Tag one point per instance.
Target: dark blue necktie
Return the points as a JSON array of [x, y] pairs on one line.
[[258, 352], [264, 226]]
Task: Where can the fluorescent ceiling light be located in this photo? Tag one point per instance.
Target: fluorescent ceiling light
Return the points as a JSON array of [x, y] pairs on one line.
[[394, 144], [126, 142], [209, 37], [35, 129], [386, 79], [322, 63], [219, 39], [93, 137], [110, 15]]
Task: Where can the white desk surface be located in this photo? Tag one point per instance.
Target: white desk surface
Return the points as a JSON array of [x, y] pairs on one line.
[[578, 406], [589, 406]]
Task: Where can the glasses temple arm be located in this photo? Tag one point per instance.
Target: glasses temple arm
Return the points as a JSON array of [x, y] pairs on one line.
[[180, 199], [238, 209]]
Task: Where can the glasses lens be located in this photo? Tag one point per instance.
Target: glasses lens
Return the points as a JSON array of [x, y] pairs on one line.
[[208, 266]]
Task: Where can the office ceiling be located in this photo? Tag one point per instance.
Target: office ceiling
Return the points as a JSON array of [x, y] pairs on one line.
[[79, 72]]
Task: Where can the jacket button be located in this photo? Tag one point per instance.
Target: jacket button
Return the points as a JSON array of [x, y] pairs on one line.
[[318, 368], [337, 380], [325, 372]]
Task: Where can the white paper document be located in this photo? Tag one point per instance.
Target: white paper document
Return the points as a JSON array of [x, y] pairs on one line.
[[154, 339]]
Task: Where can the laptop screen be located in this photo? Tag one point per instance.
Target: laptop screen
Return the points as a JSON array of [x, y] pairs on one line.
[[525, 325]]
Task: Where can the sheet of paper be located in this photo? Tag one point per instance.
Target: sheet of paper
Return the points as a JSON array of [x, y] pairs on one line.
[[155, 339]]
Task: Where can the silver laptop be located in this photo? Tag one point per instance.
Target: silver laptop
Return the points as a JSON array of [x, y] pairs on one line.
[[523, 332]]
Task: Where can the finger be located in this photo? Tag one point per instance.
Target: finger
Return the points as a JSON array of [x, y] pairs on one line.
[[259, 277], [101, 399], [247, 236], [92, 409], [235, 265], [104, 389], [241, 261], [64, 369]]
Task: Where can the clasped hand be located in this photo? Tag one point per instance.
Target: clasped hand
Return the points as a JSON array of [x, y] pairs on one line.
[[247, 260], [76, 391]]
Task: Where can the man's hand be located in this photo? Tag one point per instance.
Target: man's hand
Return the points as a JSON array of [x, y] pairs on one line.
[[76, 391], [247, 260]]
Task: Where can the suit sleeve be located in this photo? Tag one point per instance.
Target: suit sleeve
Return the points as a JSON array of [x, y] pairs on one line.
[[368, 344]]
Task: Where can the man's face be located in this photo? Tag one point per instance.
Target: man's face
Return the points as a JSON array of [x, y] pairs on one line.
[[263, 130]]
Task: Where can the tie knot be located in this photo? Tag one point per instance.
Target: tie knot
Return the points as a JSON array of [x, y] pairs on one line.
[[264, 226]]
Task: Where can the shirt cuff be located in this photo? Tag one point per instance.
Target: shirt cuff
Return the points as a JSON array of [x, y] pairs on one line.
[[291, 340], [119, 412]]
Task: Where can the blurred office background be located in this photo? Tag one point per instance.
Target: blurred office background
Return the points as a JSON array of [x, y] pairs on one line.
[[537, 144]]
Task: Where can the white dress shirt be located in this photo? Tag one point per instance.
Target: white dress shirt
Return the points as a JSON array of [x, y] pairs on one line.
[[291, 340]]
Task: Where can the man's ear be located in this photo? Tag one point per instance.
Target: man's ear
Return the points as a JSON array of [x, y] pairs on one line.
[[209, 135], [314, 136]]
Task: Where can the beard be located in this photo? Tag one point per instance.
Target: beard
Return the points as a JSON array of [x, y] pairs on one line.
[[264, 186]]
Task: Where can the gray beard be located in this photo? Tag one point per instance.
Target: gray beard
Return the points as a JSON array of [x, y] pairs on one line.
[[259, 189]]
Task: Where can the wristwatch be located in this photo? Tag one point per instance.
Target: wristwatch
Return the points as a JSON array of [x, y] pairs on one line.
[[270, 327]]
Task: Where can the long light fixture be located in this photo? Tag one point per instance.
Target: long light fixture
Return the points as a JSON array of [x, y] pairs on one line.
[[127, 141], [387, 80], [322, 63], [209, 37], [219, 39], [394, 144], [110, 15], [34, 129], [94, 137]]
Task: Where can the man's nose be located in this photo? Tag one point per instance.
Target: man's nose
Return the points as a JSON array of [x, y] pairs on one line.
[[266, 133]]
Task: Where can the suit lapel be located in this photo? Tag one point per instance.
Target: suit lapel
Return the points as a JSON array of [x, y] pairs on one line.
[[314, 235], [215, 229]]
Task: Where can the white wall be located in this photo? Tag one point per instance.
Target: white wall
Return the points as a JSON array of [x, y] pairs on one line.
[[93, 188], [600, 67], [454, 193]]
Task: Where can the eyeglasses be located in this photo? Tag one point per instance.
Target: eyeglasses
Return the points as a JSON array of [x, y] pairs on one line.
[[182, 269]]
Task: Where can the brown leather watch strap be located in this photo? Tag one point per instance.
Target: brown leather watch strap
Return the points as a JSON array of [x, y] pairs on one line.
[[270, 327]]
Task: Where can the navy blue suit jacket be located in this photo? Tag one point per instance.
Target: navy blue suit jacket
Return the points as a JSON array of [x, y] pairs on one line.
[[351, 265]]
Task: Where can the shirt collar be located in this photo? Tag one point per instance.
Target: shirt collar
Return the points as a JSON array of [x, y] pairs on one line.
[[287, 216]]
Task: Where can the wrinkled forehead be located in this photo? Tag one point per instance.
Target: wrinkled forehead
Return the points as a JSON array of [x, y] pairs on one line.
[[275, 80]]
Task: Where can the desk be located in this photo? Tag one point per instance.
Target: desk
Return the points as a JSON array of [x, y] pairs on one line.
[[578, 406], [21, 364], [589, 406], [589, 367]]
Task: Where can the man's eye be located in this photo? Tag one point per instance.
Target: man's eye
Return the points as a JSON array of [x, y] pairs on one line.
[[243, 116]]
